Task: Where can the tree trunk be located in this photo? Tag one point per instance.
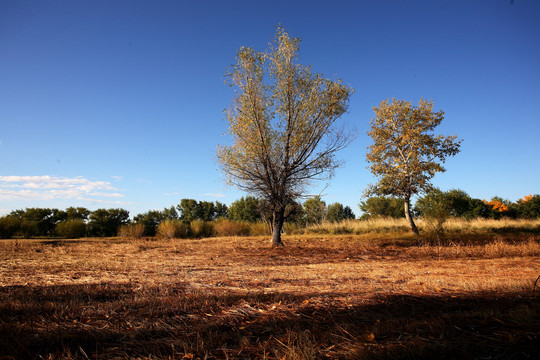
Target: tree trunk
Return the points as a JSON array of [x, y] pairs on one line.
[[408, 215], [277, 226]]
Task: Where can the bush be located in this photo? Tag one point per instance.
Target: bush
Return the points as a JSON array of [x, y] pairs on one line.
[[291, 228], [170, 229], [71, 229], [225, 227], [131, 231], [435, 208], [201, 229], [260, 228], [382, 206]]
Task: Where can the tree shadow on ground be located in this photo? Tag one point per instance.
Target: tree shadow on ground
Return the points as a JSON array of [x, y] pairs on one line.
[[130, 321]]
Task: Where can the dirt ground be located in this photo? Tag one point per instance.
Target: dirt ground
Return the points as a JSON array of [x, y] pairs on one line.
[[338, 297]]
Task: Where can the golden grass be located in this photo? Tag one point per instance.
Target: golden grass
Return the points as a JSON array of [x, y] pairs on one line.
[[386, 225], [321, 296]]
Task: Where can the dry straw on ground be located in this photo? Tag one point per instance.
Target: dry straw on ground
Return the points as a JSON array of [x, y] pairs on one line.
[[321, 296]]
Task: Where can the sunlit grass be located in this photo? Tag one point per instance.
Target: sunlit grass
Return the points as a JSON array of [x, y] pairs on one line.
[[321, 296], [389, 225]]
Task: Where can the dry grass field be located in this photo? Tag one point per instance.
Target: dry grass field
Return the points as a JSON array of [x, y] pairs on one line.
[[373, 296]]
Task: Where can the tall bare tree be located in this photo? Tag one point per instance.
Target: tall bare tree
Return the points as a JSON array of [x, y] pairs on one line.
[[282, 122], [405, 154]]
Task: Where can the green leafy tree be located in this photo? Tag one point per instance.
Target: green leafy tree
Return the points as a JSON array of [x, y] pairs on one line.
[[189, 210], [150, 221], [105, 222], [529, 207], [71, 228], [170, 213], [73, 213], [459, 204], [282, 122], [39, 221], [314, 210], [337, 212], [207, 211], [405, 154], [9, 226], [245, 209], [221, 211], [382, 206]]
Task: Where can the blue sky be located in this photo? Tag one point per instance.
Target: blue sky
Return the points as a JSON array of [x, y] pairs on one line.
[[120, 103]]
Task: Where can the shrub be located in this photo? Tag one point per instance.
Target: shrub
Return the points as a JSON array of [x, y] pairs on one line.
[[382, 206], [71, 229], [201, 229], [225, 227], [170, 229], [435, 209], [131, 231], [260, 228], [292, 228]]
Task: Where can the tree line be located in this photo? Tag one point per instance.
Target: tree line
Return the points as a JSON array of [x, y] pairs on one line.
[[454, 203], [76, 222]]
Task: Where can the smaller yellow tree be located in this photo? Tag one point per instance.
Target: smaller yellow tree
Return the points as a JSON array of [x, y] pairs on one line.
[[405, 154]]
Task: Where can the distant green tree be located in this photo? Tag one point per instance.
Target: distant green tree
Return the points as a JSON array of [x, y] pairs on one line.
[[314, 210], [38, 221], [529, 207], [71, 229], [206, 211], [458, 201], [221, 211], [337, 212], [383, 206], [170, 213], [81, 213], [189, 210], [245, 209], [9, 226], [105, 222], [477, 208], [150, 220]]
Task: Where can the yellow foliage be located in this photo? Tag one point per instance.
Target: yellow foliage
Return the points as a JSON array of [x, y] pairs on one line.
[[496, 205], [525, 199]]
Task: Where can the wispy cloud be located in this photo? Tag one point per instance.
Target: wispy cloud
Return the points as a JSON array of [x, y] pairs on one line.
[[172, 194], [214, 195], [117, 178], [51, 187]]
